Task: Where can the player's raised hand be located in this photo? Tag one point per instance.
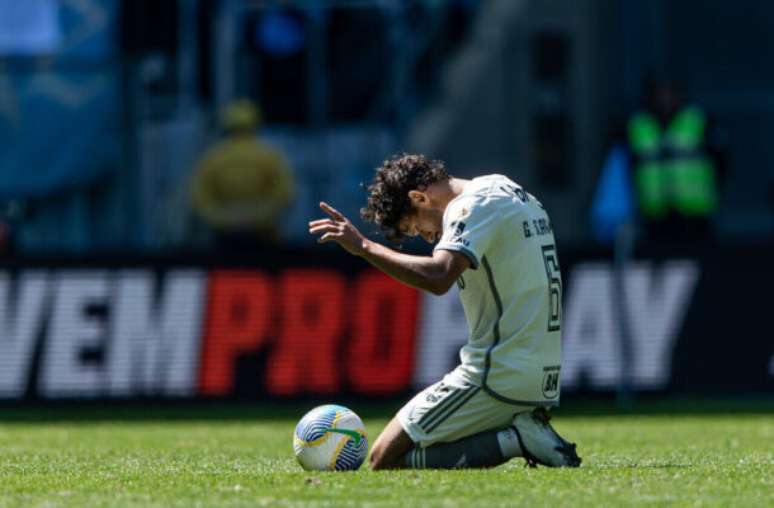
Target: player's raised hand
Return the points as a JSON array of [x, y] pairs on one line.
[[339, 229]]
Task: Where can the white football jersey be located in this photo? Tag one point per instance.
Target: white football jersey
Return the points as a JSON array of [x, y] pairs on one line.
[[512, 295]]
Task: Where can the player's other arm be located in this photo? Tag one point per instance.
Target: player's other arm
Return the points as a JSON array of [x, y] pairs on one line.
[[435, 274]]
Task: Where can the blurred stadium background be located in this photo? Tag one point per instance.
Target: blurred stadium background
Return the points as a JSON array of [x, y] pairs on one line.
[[132, 270]]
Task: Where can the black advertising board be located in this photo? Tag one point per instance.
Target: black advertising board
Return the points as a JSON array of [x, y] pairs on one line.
[[300, 323]]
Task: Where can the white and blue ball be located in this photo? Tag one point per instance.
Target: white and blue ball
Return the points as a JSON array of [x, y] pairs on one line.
[[330, 438]]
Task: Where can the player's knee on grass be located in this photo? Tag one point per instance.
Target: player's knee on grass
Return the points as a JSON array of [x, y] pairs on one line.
[[390, 447]]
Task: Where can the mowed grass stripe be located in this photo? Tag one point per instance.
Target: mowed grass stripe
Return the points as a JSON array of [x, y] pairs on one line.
[[662, 460]]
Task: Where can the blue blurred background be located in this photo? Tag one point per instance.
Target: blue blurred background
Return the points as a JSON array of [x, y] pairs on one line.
[[109, 108]]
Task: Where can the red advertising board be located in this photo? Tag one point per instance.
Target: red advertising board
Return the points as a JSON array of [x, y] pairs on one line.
[[125, 333]]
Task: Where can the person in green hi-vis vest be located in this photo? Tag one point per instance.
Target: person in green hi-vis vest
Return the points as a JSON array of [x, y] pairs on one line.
[[674, 170]]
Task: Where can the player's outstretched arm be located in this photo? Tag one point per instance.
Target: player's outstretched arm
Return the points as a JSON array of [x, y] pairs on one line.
[[435, 274]]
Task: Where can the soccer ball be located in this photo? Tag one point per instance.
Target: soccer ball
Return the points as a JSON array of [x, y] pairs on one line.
[[330, 438]]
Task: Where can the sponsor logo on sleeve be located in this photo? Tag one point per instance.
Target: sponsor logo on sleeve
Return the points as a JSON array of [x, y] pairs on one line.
[[457, 228]]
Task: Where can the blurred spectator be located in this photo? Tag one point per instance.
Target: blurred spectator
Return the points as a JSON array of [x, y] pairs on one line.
[[675, 176], [664, 164], [12, 213], [5, 240], [242, 185], [613, 206]]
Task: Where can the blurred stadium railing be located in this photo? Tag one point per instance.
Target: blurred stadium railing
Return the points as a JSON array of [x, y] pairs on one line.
[[106, 105], [129, 90]]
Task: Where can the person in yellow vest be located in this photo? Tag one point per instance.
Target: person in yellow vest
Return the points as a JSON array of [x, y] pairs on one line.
[[675, 175], [241, 185]]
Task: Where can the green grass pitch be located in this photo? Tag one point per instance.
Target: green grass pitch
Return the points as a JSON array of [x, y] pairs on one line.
[[241, 456]]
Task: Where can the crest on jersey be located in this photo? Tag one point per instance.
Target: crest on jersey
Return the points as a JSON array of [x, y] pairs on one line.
[[464, 212]]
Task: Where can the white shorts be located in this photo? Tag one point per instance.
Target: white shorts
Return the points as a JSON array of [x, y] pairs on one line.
[[452, 409]]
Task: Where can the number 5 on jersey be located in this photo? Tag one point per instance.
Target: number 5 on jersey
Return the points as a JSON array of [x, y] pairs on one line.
[[554, 276]]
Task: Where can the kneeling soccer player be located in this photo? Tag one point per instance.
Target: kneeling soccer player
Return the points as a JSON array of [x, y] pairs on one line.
[[495, 240]]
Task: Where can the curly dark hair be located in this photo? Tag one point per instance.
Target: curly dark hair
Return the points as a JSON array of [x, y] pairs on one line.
[[388, 200]]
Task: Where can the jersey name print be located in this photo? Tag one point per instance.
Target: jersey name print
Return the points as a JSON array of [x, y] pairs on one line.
[[512, 295]]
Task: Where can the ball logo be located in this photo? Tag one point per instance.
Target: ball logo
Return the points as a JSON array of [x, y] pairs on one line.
[[351, 433], [330, 438]]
